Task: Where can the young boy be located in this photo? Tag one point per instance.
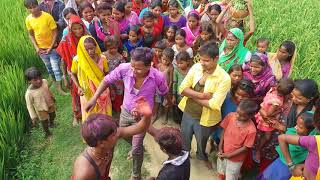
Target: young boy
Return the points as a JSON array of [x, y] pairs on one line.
[[43, 34], [237, 137], [262, 45], [158, 48], [40, 100]]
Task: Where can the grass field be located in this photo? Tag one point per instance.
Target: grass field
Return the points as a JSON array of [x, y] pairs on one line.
[[277, 20]]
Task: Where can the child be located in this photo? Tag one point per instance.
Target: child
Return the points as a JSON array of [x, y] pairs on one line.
[[184, 63], [158, 49], [180, 45], [178, 164], [211, 16], [236, 75], [237, 137], [114, 60], [271, 110], [149, 32], [282, 62], [43, 34], [174, 17], [262, 46], [118, 14], [165, 66], [133, 42], [87, 13], [130, 15], [170, 34], [67, 13], [40, 100], [192, 29]]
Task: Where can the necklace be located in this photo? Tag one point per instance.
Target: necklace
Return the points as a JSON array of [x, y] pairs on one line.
[[99, 157]]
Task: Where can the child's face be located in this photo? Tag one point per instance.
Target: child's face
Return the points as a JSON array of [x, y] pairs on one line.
[[117, 15], [133, 37], [262, 47], [105, 16], [158, 52], [77, 30], [34, 10], [213, 14], [301, 128], [195, 3], [88, 14], [240, 95], [183, 65], [113, 50], [128, 8], [165, 60], [255, 68], [165, 2], [242, 116], [36, 83], [170, 33], [282, 54], [192, 22], [232, 41], [68, 16], [173, 11], [205, 35], [156, 11], [180, 40], [148, 22], [298, 98], [91, 49], [236, 77]]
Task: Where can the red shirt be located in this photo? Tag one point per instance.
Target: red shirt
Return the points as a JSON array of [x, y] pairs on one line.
[[236, 136]]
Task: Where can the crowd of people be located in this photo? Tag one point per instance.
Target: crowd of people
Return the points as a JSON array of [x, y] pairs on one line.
[[126, 61]]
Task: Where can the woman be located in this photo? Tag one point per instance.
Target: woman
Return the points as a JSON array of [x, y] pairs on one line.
[[232, 50], [88, 69], [67, 49]]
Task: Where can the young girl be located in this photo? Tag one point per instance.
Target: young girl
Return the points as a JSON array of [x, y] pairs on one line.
[[67, 50], [236, 75], [282, 62], [40, 100], [192, 29], [165, 66], [262, 46], [87, 13], [118, 14], [259, 72], [149, 32], [170, 34], [184, 63], [130, 15], [158, 50], [211, 16], [114, 60], [181, 45], [237, 138], [104, 26], [88, 70], [67, 13], [174, 17], [271, 110], [134, 40]]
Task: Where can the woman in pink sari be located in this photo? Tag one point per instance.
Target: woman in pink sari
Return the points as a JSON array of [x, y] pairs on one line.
[[193, 28]]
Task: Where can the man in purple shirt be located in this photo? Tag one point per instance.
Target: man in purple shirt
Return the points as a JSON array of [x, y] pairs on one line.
[[140, 79]]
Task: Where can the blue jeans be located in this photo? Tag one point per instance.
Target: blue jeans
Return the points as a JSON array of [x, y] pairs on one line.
[[52, 63]]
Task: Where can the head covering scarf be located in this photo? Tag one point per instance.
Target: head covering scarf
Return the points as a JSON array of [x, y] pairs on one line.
[[67, 48], [191, 36], [238, 53], [283, 70], [264, 80]]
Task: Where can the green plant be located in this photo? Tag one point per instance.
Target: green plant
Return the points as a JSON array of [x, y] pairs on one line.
[[239, 4]]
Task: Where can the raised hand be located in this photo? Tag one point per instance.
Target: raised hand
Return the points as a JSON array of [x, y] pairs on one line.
[[142, 107]]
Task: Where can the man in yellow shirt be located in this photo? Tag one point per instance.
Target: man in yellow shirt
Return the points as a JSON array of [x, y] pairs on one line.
[[43, 34], [204, 89]]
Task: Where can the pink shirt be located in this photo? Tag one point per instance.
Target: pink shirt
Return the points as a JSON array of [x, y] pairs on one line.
[[155, 82], [312, 161]]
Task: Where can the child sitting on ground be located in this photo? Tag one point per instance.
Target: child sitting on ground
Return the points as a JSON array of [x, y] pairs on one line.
[[271, 110], [40, 100], [237, 137]]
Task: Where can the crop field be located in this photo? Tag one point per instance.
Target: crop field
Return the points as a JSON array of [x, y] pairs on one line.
[[277, 20]]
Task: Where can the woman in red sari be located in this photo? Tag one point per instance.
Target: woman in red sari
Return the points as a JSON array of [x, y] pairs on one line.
[[67, 49]]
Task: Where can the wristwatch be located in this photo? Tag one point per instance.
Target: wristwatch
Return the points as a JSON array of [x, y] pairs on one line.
[[291, 166]]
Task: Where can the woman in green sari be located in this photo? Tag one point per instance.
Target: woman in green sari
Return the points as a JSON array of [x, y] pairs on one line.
[[232, 50]]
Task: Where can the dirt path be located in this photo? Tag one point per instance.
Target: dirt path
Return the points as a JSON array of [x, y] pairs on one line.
[[198, 170]]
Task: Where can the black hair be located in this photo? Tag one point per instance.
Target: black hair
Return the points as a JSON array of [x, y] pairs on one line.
[[316, 116], [173, 3], [290, 47], [235, 67], [195, 15], [207, 27], [209, 49], [249, 107], [143, 54], [90, 40], [120, 6], [183, 56], [170, 140], [262, 39], [285, 86], [174, 27], [67, 11], [257, 59], [85, 4], [135, 28], [307, 118], [169, 53], [155, 3], [244, 85], [30, 3], [308, 88], [160, 44], [111, 41], [181, 32], [216, 7], [32, 73], [103, 7], [148, 14]]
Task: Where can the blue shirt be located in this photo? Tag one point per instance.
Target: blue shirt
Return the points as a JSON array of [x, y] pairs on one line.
[[228, 106]]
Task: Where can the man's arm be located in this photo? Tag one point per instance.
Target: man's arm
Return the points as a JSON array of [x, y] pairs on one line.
[[33, 41]]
